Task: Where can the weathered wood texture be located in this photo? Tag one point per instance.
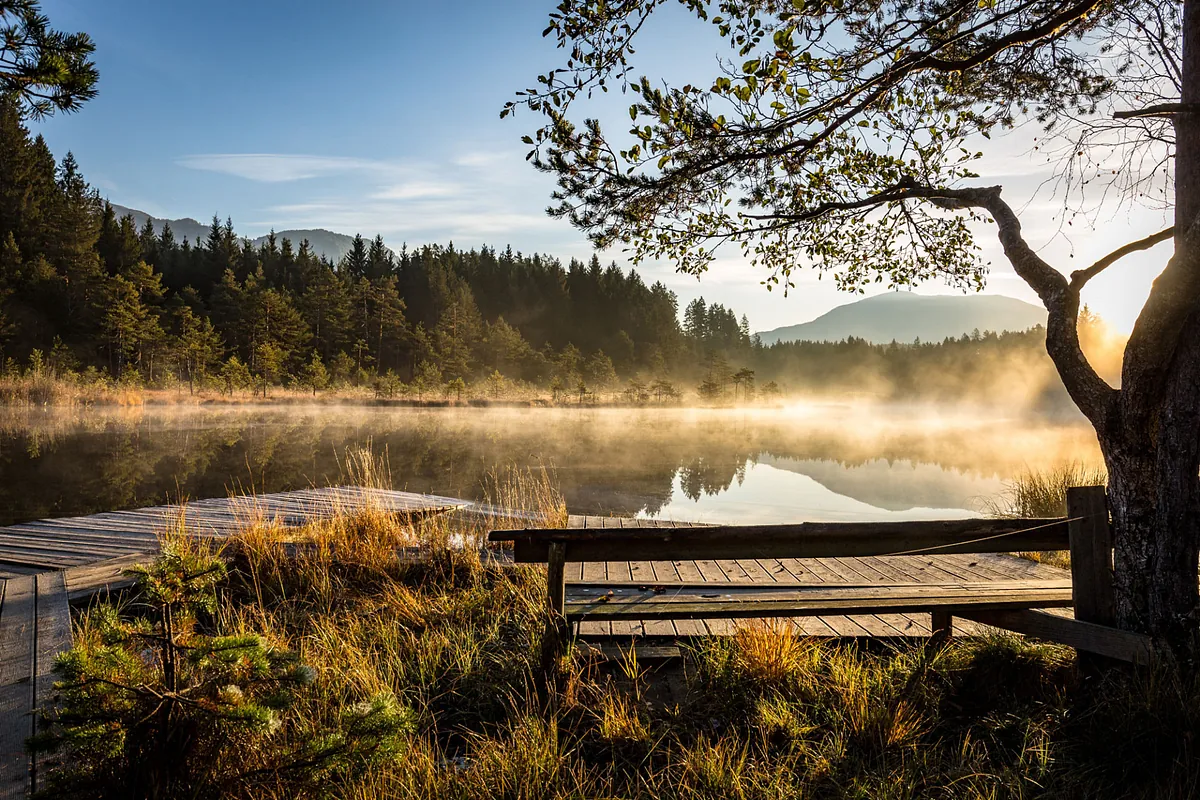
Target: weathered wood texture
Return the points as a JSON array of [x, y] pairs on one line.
[[45, 564], [803, 540], [939, 567], [18, 614], [1091, 554], [608, 602], [63, 543], [1087, 636]]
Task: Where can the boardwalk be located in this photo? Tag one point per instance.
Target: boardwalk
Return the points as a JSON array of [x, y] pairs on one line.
[[46, 563], [875, 570]]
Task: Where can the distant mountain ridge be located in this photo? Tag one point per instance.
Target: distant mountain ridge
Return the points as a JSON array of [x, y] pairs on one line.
[[330, 244], [906, 317]]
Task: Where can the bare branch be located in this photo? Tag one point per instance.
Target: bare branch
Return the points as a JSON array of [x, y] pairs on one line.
[[1081, 276], [1158, 110]]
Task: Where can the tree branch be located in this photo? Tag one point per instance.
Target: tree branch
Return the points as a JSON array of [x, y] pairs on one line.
[[1081, 276], [1158, 110]]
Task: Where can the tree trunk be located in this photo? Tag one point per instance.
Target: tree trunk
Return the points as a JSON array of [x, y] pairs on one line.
[[1156, 524]]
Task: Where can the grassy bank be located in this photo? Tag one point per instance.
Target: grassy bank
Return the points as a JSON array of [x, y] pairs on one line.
[[322, 662], [38, 387]]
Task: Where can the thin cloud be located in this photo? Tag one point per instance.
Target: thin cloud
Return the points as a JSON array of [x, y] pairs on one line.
[[277, 167]]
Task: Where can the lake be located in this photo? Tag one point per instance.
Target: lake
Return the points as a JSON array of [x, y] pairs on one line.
[[806, 462]]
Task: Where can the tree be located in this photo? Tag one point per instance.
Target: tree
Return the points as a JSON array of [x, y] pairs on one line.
[[157, 705], [45, 69], [314, 374], [599, 371], [863, 118], [426, 378], [744, 377], [235, 375], [197, 346]]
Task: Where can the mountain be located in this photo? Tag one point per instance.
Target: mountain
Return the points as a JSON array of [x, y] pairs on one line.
[[905, 317], [325, 243]]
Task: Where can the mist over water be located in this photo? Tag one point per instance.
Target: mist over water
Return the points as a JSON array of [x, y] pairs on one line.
[[805, 462]]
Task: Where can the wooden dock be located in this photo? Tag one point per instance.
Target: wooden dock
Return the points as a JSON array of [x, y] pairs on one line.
[[832, 572], [46, 563]]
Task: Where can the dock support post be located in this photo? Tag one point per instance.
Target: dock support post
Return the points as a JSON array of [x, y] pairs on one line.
[[942, 624], [556, 576]]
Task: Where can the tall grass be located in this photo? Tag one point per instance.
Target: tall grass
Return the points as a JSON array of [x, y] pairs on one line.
[[1041, 494], [454, 637]]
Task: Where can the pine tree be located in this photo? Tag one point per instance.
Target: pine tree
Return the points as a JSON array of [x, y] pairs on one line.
[[325, 306], [197, 346], [43, 69], [354, 263], [74, 254], [380, 261]]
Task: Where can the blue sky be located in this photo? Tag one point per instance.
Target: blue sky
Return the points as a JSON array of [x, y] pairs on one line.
[[383, 117]]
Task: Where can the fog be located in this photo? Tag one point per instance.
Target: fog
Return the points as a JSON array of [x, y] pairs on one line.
[[807, 460]]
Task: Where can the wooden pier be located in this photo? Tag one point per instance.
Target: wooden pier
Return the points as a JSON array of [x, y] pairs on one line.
[[47, 564]]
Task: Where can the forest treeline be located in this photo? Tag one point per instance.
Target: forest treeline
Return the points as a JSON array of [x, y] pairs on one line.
[[88, 295]]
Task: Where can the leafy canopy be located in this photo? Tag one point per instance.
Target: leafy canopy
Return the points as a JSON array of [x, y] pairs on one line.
[[828, 129]]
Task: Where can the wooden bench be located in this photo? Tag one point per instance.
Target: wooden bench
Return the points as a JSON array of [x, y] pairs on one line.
[[1010, 604]]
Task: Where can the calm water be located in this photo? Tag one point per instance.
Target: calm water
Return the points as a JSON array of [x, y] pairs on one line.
[[816, 462]]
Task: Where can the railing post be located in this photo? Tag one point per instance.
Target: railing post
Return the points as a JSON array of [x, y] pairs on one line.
[[556, 576], [557, 631], [1091, 555]]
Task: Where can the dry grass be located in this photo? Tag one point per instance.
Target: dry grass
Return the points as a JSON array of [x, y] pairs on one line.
[[765, 713], [1033, 495]]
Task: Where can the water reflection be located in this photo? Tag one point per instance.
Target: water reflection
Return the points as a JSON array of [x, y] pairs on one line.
[[812, 462]]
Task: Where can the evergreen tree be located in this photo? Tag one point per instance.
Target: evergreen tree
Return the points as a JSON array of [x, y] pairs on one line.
[[354, 263], [43, 69]]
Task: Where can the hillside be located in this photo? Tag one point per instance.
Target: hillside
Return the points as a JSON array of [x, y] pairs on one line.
[[905, 317], [326, 243]]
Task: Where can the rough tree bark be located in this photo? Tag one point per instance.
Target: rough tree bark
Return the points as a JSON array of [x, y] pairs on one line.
[[1151, 436]]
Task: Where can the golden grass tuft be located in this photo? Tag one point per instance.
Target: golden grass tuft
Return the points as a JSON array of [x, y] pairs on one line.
[[771, 651]]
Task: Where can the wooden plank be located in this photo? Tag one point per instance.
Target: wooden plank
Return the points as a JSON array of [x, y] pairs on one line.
[[643, 652], [53, 636], [888, 624], [594, 571], [713, 574], [804, 540], [1087, 636], [83, 582], [585, 602], [886, 572], [685, 572], [17, 621], [1091, 554], [815, 569]]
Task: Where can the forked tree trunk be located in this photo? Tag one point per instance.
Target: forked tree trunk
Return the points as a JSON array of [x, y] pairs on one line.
[[1150, 434]]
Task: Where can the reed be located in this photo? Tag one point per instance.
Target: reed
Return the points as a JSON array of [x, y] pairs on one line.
[[1041, 494]]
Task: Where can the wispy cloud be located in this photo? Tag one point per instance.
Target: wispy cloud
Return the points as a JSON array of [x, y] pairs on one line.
[[276, 167], [473, 196]]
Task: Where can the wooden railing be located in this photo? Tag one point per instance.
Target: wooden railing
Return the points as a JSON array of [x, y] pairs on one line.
[[1085, 532]]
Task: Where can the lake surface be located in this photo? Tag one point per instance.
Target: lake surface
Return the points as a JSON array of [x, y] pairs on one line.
[[807, 462]]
